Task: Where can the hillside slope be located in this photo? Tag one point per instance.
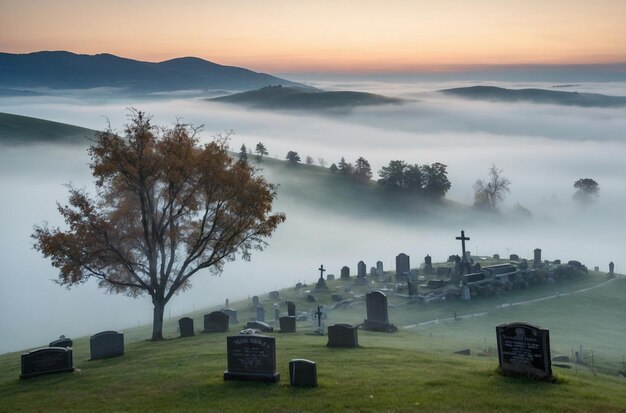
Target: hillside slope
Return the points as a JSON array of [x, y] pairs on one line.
[[21, 130]]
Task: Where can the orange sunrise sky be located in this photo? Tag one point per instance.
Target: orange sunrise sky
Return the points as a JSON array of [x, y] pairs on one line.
[[325, 36]]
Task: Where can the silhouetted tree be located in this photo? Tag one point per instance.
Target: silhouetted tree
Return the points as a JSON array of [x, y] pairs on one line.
[[412, 179], [490, 192], [165, 208], [392, 175], [362, 170], [345, 169], [333, 168], [260, 151], [309, 160], [322, 162], [293, 157], [243, 153], [587, 190], [435, 180]]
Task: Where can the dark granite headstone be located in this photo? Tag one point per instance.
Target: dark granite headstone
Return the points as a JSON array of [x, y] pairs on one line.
[[106, 344], [251, 358], [611, 268], [291, 308], [259, 325], [232, 315], [330, 277], [302, 373], [428, 264], [185, 325], [342, 335], [377, 316], [215, 322], [345, 273], [61, 342], [537, 263], [47, 360], [403, 265], [514, 257], [255, 301], [361, 270], [274, 295], [524, 349], [379, 268], [496, 256], [287, 324]]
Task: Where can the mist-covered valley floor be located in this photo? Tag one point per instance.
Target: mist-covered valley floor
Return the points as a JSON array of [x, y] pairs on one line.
[[542, 149]]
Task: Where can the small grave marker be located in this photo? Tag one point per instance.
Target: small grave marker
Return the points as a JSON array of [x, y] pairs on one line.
[[302, 373]]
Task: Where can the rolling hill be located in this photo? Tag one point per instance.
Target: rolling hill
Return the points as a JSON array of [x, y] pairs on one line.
[[499, 94], [21, 130], [278, 97], [65, 70]]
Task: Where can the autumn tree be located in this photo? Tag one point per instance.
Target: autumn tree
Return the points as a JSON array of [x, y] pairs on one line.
[[490, 192], [587, 190], [165, 209]]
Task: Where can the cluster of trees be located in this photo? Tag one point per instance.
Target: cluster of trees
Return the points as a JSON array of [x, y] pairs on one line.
[[361, 171], [428, 180], [260, 151]]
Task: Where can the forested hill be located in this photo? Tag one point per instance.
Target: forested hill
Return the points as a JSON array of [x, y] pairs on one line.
[[65, 70], [537, 96]]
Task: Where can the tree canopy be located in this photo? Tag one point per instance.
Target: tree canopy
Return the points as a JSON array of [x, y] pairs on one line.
[[587, 190], [293, 157], [165, 208], [490, 192], [425, 180]]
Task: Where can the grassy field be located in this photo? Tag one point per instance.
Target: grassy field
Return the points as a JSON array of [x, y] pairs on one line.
[[411, 370]]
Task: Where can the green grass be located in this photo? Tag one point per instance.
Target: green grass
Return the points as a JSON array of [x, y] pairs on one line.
[[411, 370], [16, 129]]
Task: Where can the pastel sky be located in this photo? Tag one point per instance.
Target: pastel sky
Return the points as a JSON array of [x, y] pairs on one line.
[[325, 35]]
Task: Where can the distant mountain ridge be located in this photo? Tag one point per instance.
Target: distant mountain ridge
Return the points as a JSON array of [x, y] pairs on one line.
[[537, 96], [279, 97], [66, 70]]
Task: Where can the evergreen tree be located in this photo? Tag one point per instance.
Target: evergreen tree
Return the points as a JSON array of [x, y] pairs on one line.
[[293, 157], [413, 179], [333, 168], [392, 176], [362, 170], [260, 150], [243, 153]]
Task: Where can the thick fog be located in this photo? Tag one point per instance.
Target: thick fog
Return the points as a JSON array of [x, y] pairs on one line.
[[543, 150]]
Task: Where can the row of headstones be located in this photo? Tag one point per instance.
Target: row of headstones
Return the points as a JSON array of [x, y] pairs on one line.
[[58, 357]]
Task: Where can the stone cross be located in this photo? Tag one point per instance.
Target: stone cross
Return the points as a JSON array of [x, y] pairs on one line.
[[319, 313], [322, 270], [463, 238]]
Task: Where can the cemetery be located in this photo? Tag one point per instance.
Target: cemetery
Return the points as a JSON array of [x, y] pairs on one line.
[[391, 339]]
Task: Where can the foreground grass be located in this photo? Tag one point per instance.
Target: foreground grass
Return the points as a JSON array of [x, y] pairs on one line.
[[186, 375]]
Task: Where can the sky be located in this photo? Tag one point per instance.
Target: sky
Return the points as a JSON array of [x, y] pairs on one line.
[[325, 36]]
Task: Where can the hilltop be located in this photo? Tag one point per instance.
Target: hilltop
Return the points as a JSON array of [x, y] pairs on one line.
[[292, 98], [66, 70], [493, 93], [22, 130]]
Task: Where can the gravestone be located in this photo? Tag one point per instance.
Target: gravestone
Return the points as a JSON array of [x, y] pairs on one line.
[[428, 264], [260, 313], [537, 263], [226, 303], [361, 270], [287, 324], [232, 315], [345, 273], [185, 326], [321, 283], [215, 322], [330, 277], [343, 335], [255, 301], [274, 295], [291, 308], [373, 272], [106, 344], [48, 360], [276, 314], [259, 325], [496, 256], [377, 316], [514, 257], [611, 268], [403, 265], [251, 358], [379, 268], [465, 293], [61, 342], [524, 349], [474, 277], [302, 373], [596, 268]]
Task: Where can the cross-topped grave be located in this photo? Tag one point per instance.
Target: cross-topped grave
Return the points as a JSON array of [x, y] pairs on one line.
[[463, 238], [321, 283], [318, 315]]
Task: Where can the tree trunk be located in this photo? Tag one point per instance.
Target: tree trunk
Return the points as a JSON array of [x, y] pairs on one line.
[[157, 321]]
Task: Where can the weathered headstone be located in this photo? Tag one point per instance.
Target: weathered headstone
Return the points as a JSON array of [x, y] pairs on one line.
[[259, 325], [514, 257], [215, 322], [61, 342], [379, 268], [276, 314], [302, 373], [465, 293], [287, 324], [343, 335], [496, 256], [403, 265], [524, 349], [274, 295], [373, 272], [611, 268], [291, 308], [260, 313], [321, 283], [255, 301], [330, 277], [106, 344], [537, 263], [185, 325], [428, 264], [251, 358], [232, 315], [377, 316], [361, 270], [46, 360], [345, 273]]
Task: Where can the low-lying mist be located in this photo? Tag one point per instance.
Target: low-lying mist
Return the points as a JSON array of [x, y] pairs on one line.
[[543, 150]]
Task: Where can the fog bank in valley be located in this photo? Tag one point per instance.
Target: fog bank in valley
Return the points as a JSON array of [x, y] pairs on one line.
[[543, 150]]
